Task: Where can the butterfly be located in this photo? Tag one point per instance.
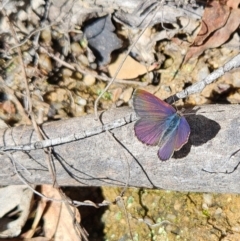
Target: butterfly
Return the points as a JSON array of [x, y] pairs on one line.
[[159, 124]]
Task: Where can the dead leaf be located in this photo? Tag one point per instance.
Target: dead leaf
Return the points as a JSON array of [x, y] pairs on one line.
[[233, 4], [15, 203], [102, 39], [58, 223], [7, 108], [207, 39], [215, 16], [131, 69]]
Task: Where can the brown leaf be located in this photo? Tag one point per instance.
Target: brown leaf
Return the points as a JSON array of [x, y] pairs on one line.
[[58, 223], [217, 37], [233, 3], [214, 17], [8, 107]]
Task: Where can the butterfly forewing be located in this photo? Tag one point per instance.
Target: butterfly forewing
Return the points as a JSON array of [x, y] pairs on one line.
[[147, 105]]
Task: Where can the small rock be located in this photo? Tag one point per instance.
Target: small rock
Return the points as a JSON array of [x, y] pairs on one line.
[[119, 103], [222, 87], [67, 72], [127, 94], [78, 75], [234, 98], [236, 79], [218, 211], [70, 83], [204, 206], [131, 69], [89, 80], [116, 94], [171, 218], [80, 101], [45, 62], [61, 95], [207, 199], [83, 59], [79, 110], [177, 205], [236, 228], [76, 49], [52, 97], [46, 35], [202, 73]]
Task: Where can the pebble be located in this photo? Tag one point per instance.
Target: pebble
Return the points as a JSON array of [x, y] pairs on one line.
[[116, 93], [76, 49], [45, 63], [177, 205], [46, 35], [218, 211], [83, 59], [236, 79], [80, 101], [207, 199], [202, 73], [236, 228], [171, 218], [70, 83], [61, 95], [78, 75], [89, 80], [67, 72], [79, 110], [127, 94]]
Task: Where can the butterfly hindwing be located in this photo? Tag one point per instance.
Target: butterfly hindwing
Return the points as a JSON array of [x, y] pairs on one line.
[[183, 133], [150, 131], [174, 140]]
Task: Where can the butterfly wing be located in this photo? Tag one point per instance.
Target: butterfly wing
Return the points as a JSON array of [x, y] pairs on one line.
[[182, 133], [149, 131], [149, 106], [154, 113], [175, 140]]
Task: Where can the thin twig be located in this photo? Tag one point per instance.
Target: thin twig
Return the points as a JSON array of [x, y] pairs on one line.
[[30, 107], [120, 66], [77, 68], [73, 137]]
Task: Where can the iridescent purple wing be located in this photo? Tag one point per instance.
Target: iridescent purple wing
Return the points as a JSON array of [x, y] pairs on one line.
[[148, 105], [154, 113], [150, 131], [175, 141], [182, 134], [159, 124]]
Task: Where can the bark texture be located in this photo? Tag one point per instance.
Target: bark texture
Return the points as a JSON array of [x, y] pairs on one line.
[[99, 160]]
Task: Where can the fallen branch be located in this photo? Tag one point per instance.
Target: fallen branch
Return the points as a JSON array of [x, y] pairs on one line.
[[95, 160]]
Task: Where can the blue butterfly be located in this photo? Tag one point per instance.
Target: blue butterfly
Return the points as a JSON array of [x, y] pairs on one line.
[[159, 124]]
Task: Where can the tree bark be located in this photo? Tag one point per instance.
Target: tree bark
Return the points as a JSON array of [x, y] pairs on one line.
[[99, 160]]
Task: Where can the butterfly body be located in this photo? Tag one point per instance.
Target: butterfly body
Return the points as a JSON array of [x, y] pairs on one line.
[[159, 124]]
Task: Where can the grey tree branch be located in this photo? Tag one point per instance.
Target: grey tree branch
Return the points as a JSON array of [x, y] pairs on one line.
[[199, 86], [73, 137], [94, 161]]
